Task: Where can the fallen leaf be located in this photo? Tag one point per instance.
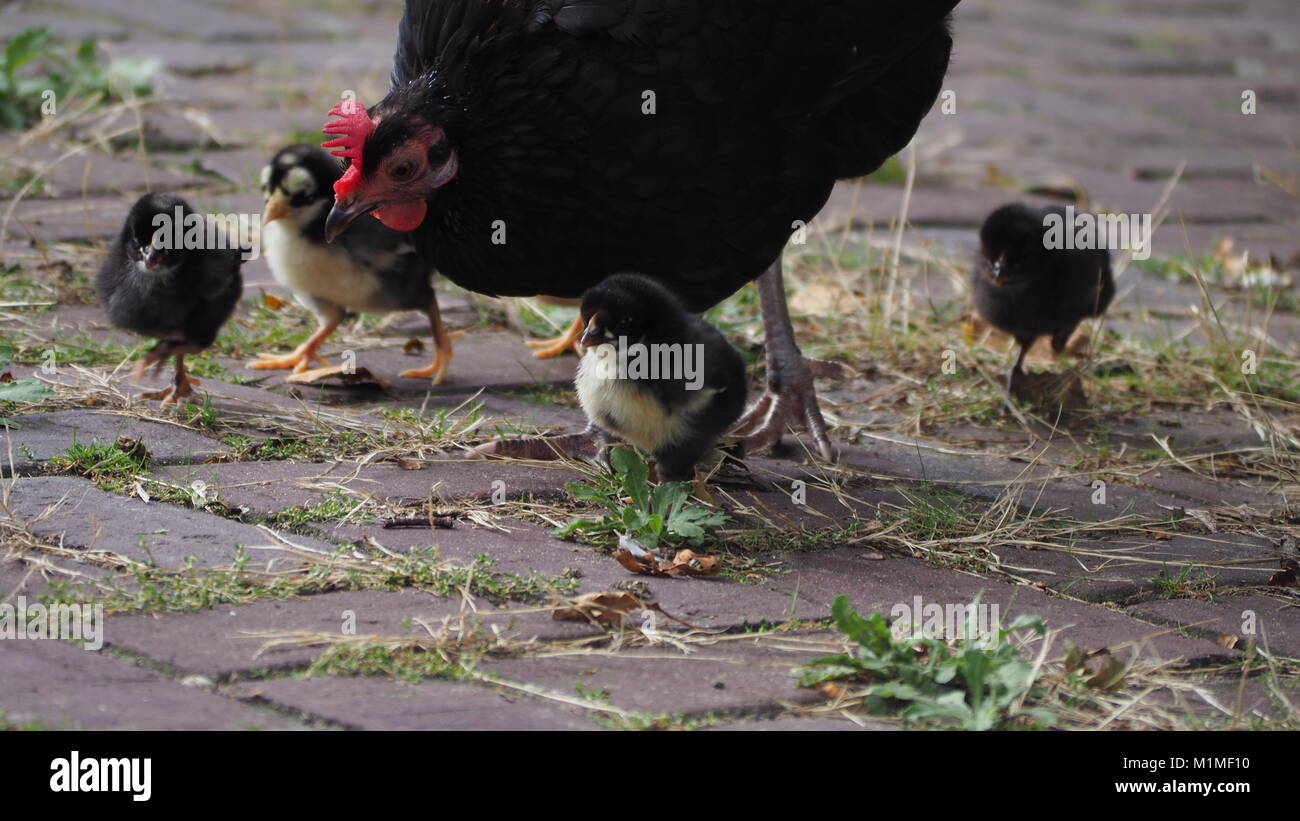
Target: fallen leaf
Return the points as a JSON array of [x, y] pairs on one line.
[[686, 563], [609, 608], [1105, 671], [1052, 392], [1286, 577], [349, 375], [270, 300], [133, 447], [831, 690], [690, 563], [410, 464], [413, 345], [1225, 640], [6, 377]]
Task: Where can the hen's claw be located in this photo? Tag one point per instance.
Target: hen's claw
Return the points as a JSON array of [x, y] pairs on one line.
[[791, 396]]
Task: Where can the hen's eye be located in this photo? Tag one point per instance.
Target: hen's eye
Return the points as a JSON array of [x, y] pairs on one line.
[[402, 171]]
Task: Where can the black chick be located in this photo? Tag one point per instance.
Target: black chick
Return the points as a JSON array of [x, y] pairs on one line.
[[655, 374], [182, 296], [372, 268], [1028, 290]]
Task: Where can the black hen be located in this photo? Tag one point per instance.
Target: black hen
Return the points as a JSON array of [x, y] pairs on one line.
[[1028, 290], [181, 296], [656, 375], [538, 146]]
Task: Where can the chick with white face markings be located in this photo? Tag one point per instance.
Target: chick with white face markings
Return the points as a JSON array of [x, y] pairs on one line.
[[684, 394], [372, 269]]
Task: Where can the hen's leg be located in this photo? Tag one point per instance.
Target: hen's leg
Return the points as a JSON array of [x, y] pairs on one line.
[[549, 348], [302, 357], [443, 351], [791, 396]]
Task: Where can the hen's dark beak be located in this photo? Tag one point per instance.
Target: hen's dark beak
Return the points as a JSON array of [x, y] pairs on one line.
[[343, 214]]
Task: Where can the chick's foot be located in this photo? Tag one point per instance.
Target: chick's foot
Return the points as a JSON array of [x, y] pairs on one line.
[[551, 348]]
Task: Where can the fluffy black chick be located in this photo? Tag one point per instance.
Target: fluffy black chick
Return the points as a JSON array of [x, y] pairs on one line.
[[1028, 290], [656, 375], [153, 286], [372, 268]]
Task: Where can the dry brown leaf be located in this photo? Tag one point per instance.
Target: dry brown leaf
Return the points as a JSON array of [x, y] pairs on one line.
[[409, 464], [830, 689], [645, 563], [690, 563], [6, 377], [413, 345], [133, 447], [270, 300], [685, 563], [1105, 671], [609, 608], [1226, 640], [1286, 577], [348, 375]]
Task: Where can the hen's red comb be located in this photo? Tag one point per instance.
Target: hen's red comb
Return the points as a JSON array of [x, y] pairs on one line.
[[353, 128]]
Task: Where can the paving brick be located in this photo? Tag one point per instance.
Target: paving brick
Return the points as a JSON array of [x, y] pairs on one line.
[[59, 686], [374, 704], [84, 517], [41, 437]]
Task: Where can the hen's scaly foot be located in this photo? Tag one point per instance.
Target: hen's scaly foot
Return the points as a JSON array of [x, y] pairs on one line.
[[790, 399], [793, 406], [551, 348]]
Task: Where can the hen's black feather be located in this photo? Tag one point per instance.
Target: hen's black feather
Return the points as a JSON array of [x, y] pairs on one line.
[[759, 106], [186, 299]]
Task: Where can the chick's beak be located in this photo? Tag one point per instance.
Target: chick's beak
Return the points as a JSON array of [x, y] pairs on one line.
[[592, 335], [152, 257], [998, 267], [343, 214], [277, 207]]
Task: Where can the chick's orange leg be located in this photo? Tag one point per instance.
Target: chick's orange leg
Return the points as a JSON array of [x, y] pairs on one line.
[[181, 386], [550, 348], [302, 358], [443, 351]]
